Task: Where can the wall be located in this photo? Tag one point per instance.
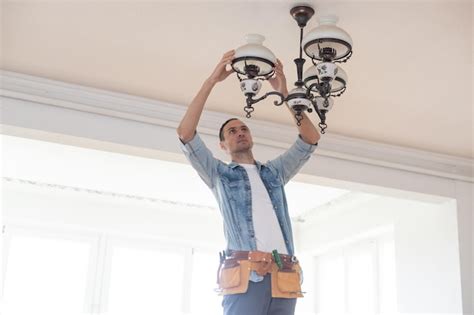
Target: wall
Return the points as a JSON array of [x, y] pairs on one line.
[[465, 206]]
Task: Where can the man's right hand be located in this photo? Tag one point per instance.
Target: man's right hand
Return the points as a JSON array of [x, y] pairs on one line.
[[220, 73]]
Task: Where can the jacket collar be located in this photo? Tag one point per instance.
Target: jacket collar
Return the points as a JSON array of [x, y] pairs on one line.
[[234, 165]]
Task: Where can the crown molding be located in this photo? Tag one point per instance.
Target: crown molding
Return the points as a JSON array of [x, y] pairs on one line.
[[86, 99], [108, 194]]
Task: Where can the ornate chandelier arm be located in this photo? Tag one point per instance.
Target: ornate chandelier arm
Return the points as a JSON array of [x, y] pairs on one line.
[[250, 101], [322, 116], [310, 89]]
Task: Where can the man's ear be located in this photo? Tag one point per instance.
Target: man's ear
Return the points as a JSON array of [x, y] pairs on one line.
[[222, 145]]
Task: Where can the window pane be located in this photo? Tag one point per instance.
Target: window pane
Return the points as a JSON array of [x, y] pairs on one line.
[[388, 292], [45, 276], [306, 305], [145, 282], [361, 288], [204, 300], [330, 284]]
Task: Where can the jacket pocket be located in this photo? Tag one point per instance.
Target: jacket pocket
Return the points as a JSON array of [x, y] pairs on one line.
[[232, 183], [275, 183]]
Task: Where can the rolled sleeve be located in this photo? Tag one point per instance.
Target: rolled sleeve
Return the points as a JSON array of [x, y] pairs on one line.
[[201, 159], [304, 146], [290, 162]]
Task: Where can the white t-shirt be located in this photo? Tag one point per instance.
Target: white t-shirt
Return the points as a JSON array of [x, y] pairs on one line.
[[265, 222]]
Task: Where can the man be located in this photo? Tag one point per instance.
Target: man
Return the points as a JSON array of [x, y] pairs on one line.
[[258, 273]]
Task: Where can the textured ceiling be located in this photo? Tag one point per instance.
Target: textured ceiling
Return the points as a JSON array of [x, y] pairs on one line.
[[410, 78]]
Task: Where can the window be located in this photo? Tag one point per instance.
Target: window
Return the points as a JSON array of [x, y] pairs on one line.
[[145, 281], [204, 299], [305, 306], [387, 285], [357, 279], [330, 284], [45, 275], [360, 279], [61, 273]]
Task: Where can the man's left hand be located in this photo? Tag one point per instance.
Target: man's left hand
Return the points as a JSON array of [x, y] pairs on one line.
[[278, 81]]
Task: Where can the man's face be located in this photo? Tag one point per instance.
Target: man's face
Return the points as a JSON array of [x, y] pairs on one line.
[[237, 137]]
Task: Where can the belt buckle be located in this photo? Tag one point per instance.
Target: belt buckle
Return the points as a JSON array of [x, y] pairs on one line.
[[294, 259]]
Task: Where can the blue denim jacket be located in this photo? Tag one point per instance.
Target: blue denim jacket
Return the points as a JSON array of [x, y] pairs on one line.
[[231, 187]]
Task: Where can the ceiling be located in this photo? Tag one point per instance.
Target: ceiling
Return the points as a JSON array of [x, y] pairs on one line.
[[410, 78]]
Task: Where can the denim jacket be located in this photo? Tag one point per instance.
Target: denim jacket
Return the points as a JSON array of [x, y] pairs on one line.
[[231, 187]]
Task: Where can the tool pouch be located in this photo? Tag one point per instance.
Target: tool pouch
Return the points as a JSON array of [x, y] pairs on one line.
[[286, 283], [234, 277]]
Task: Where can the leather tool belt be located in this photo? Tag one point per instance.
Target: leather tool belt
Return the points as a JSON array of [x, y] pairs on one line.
[[235, 267]]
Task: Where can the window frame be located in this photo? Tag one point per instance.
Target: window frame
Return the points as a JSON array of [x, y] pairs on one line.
[[373, 244]]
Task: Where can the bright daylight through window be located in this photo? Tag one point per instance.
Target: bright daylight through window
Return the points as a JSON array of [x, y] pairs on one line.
[[79, 241]]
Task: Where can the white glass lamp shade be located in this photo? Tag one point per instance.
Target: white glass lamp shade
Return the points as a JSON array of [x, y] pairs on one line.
[[310, 77], [297, 100], [253, 59], [327, 35]]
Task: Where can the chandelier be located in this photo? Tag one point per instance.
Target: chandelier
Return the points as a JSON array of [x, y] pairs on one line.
[[317, 87]]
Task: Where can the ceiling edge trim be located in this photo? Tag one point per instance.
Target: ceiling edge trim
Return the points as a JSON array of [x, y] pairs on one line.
[[56, 93]]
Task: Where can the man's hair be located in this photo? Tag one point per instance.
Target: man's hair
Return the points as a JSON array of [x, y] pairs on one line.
[[221, 131]]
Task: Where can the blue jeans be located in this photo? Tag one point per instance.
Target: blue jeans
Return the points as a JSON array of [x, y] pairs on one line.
[[258, 301]]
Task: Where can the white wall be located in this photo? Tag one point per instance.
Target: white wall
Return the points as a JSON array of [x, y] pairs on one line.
[[465, 208]]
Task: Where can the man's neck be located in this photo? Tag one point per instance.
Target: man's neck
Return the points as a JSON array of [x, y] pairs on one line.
[[243, 157]]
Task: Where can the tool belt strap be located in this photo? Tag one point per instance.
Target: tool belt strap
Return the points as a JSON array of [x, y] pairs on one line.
[[261, 261]]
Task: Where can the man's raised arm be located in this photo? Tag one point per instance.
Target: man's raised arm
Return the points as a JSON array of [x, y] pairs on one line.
[[188, 125], [307, 130]]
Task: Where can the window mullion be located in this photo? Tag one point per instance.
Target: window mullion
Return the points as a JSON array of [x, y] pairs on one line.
[[100, 279], [6, 240], [89, 300], [187, 280], [346, 280], [375, 249], [317, 281]]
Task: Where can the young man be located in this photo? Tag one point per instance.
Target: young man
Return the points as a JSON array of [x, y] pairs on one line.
[[259, 273]]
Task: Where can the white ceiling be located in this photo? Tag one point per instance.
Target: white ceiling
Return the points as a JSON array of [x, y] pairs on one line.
[[410, 78]]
